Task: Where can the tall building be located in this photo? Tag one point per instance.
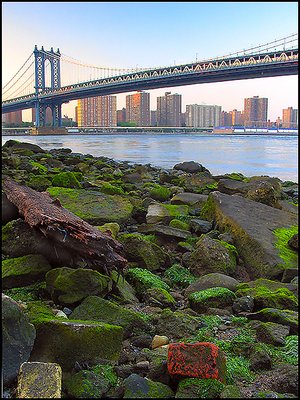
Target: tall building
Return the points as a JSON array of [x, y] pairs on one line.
[[97, 111], [290, 118], [12, 118], [153, 118], [256, 111], [225, 119], [138, 108], [237, 117], [169, 110], [203, 116], [121, 116]]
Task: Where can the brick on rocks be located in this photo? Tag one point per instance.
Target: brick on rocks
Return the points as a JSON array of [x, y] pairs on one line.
[[198, 360]]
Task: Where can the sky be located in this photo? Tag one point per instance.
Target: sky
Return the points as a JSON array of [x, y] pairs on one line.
[[149, 34]]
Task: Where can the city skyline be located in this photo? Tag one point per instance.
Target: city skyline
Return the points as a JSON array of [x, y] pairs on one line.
[[126, 35]]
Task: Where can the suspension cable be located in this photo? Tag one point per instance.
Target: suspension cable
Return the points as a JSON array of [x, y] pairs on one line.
[[18, 79], [17, 72]]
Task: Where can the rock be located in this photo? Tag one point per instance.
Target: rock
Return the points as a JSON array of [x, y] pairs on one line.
[[164, 212], [251, 225], [289, 274], [60, 313], [142, 341], [260, 360], [68, 342], [72, 285], [198, 360], [272, 333], [212, 280], [294, 242], [94, 308], [269, 284], [94, 207], [214, 297], [22, 271], [148, 255], [200, 226], [176, 325], [112, 227], [190, 166], [14, 144], [18, 339], [232, 186], [189, 198], [142, 279], [123, 289], [158, 364], [159, 341], [265, 190], [93, 383], [195, 388], [39, 380], [231, 392], [284, 317], [211, 256], [9, 210], [159, 297], [243, 304], [138, 387], [165, 231], [283, 379]]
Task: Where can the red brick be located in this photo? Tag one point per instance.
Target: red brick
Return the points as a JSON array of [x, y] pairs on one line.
[[198, 360]]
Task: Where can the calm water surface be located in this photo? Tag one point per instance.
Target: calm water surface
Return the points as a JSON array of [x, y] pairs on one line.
[[251, 155]]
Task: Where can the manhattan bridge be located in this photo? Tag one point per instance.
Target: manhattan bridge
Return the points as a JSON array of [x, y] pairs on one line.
[[49, 78]]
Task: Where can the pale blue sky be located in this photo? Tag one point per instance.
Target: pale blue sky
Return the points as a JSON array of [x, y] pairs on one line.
[[130, 34]]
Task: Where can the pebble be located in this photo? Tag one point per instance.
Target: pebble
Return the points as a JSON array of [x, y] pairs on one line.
[[159, 341]]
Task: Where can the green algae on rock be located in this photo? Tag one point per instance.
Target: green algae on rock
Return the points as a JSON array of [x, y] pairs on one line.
[[142, 279], [22, 271], [213, 297], [288, 255], [94, 207], [67, 180], [197, 388], [71, 285]]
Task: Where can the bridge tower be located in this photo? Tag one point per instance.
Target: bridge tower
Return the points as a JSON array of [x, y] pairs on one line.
[[40, 85]]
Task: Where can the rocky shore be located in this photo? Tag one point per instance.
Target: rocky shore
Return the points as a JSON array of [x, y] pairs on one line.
[[205, 307]]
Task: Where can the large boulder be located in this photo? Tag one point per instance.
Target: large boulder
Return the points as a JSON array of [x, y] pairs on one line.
[[18, 338], [165, 212], [189, 198], [137, 387], [217, 297], [67, 342], [190, 166], [72, 285], [94, 207], [95, 308], [176, 325], [252, 224], [283, 317], [22, 271]]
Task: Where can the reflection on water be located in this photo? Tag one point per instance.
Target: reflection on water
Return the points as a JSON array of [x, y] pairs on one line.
[[250, 155]]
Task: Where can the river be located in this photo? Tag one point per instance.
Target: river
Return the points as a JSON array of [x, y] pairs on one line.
[[275, 156]]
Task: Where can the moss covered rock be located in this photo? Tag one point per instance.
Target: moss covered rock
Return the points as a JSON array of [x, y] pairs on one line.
[[72, 285], [137, 387], [142, 279], [165, 212], [176, 223], [112, 228], [93, 383], [218, 297], [68, 342], [211, 256], [159, 297], [67, 180], [22, 271], [97, 309], [94, 207], [176, 325], [39, 182], [179, 276], [272, 333], [160, 193], [284, 317], [147, 254], [122, 289], [212, 280]]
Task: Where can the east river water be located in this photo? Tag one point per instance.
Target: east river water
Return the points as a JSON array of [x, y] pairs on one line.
[[275, 156]]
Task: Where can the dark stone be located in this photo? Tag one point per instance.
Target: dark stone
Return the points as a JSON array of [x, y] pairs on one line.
[[190, 166], [260, 360], [9, 210], [142, 341], [243, 304], [293, 242], [200, 226], [29, 146], [18, 339]]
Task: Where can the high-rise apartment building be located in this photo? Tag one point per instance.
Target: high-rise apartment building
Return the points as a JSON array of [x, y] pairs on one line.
[[203, 116], [290, 118], [121, 116], [12, 118], [169, 110], [237, 117], [153, 118], [138, 108], [97, 111], [256, 111]]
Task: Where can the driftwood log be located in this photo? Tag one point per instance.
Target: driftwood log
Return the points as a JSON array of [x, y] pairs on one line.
[[65, 229]]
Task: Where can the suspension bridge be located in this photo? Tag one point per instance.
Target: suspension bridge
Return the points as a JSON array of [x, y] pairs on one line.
[[49, 78]]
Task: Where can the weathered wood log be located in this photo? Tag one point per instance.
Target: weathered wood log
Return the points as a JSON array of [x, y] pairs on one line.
[[64, 228]]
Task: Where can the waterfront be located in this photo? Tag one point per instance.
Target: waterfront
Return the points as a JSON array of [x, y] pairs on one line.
[[275, 156]]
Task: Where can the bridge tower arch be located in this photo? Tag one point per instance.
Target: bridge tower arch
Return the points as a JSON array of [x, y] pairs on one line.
[[41, 56]]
